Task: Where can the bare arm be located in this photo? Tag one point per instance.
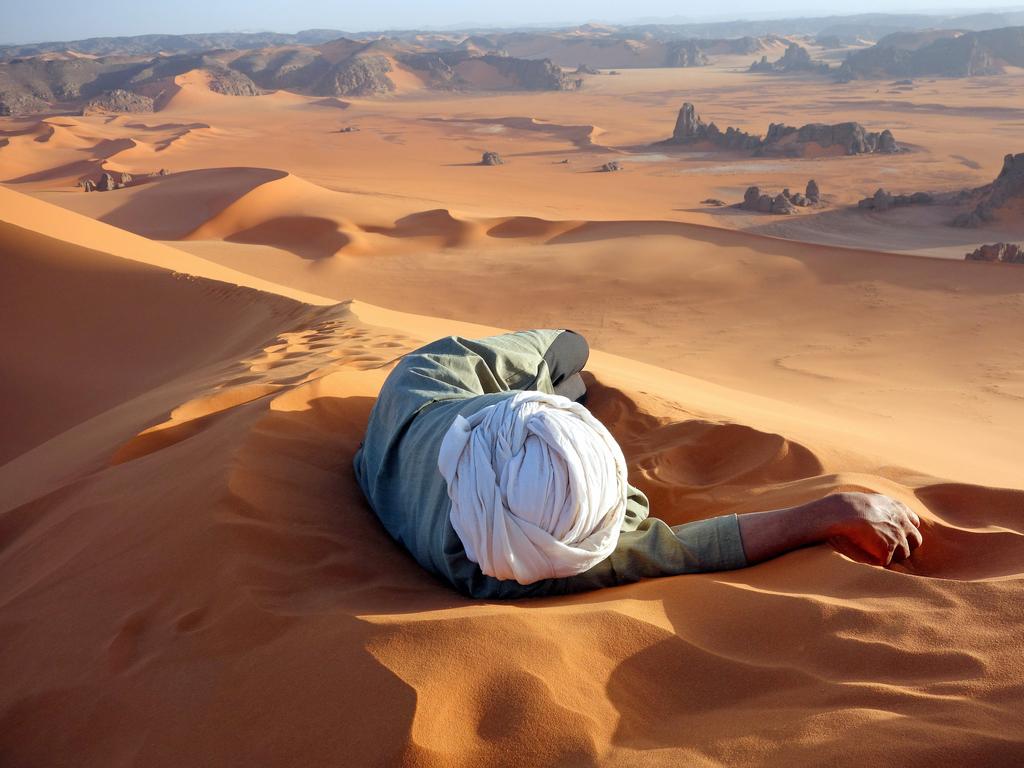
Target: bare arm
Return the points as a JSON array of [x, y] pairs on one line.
[[864, 526]]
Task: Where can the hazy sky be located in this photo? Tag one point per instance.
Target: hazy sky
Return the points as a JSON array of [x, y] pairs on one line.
[[43, 20]]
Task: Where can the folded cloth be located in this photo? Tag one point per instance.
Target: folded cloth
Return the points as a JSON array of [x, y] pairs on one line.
[[537, 485]]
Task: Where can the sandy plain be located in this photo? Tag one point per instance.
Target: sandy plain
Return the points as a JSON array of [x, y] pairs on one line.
[[189, 575]]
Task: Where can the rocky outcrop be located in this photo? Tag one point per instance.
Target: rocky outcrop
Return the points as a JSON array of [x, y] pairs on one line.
[[812, 192], [795, 59], [584, 69], [851, 138], [357, 76], [781, 139], [1008, 186], [883, 201], [532, 74], [441, 70], [685, 53], [782, 204], [119, 100], [232, 83], [111, 180], [610, 166], [1010, 253], [491, 158]]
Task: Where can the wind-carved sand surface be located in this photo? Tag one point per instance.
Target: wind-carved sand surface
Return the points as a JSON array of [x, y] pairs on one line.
[[189, 574]]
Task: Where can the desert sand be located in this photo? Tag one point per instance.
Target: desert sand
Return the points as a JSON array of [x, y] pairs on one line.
[[189, 574]]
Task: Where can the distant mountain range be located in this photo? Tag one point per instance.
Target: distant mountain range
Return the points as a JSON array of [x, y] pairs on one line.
[[132, 73], [942, 53], [865, 26]]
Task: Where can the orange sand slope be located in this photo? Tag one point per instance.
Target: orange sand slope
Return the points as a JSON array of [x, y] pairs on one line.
[[189, 576]]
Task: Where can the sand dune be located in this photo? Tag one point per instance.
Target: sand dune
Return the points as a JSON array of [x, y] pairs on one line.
[[267, 561]]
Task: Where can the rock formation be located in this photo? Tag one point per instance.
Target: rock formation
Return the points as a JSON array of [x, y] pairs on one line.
[[611, 165], [689, 126], [491, 158], [787, 140], [795, 59], [784, 203], [1008, 186], [1006, 252], [781, 139], [812, 192], [113, 180]]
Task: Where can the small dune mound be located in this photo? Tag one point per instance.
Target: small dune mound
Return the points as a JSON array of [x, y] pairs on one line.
[[529, 228], [278, 211], [439, 225], [306, 236]]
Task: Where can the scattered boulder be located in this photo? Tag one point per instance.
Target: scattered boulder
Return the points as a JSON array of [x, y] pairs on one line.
[[106, 183], [491, 158], [880, 201], [713, 201], [1010, 253], [781, 204], [887, 142], [611, 165], [883, 201], [349, 129], [812, 192]]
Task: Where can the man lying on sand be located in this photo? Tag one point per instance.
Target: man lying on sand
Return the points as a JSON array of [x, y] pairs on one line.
[[480, 460]]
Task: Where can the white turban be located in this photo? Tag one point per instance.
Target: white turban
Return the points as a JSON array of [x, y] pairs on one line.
[[538, 487]]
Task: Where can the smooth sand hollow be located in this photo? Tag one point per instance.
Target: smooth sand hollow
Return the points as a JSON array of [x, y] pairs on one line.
[[189, 574]]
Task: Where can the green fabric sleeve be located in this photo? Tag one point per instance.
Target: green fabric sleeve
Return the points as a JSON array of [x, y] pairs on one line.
[[656, 549]]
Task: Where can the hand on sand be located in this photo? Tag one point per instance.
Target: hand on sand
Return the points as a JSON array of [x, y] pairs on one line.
[[871, 526]]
